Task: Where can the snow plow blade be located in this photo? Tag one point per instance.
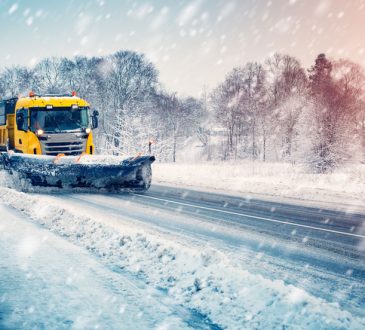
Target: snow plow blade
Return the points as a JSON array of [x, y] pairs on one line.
[[93, 172]]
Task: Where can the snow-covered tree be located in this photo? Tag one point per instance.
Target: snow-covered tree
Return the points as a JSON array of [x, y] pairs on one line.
[[48, 76], [334, 93], [239, 105], [16, 80], [178, 118], [129, 82], [287, 96]]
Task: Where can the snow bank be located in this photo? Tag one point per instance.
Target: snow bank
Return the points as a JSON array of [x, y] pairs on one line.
[[268, 180], [201, 279]]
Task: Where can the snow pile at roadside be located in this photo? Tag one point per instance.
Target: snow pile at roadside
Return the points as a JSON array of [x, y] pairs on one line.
[[271, 179], [201, 279]]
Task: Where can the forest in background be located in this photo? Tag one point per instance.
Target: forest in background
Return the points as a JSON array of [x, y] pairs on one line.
[[271, 111]]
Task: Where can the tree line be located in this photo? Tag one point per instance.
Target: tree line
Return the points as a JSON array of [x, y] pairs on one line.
[[271, 111], [277, 110]]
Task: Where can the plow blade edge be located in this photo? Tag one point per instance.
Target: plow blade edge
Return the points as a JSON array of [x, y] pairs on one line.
[[47, 171]]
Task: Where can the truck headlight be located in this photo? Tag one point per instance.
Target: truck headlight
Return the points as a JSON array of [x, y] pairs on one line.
[[88, 130], [39, 132]]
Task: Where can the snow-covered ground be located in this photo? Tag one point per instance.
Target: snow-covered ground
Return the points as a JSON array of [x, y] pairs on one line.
[[49, 283], [191, 273], [269, 180]]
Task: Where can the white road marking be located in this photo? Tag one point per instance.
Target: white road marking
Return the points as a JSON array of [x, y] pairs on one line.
[[254, 217]]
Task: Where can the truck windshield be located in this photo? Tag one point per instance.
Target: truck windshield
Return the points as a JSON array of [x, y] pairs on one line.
[[59, 119]]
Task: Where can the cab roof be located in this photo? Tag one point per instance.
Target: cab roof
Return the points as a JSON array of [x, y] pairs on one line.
[[55, 101]]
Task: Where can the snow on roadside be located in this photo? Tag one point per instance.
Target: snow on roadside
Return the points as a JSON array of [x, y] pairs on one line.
[[201, 280], [268, 180]]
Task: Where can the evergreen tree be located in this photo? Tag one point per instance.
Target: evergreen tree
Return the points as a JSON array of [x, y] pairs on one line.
[[330, 136]]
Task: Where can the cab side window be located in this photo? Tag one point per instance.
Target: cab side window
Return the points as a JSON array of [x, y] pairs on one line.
[[22, 119], [2, 114]]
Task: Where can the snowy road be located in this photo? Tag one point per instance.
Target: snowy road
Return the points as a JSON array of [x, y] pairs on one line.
[[205, 260]]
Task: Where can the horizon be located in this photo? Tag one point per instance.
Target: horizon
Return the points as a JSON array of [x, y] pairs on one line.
[[193, 44]]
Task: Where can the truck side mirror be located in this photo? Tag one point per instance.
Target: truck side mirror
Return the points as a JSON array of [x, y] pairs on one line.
[[95, 119]]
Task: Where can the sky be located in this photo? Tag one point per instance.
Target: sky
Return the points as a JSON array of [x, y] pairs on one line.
[[194, 44]]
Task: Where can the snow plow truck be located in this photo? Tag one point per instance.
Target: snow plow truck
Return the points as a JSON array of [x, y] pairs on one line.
[[47, 141]]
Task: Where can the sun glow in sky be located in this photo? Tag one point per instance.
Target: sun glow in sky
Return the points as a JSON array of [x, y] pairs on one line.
[[194, 44]]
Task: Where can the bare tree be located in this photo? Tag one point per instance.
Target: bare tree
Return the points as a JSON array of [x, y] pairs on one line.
[[48, 76], [129, 82], [16, 81], [350, 80], [239, 104], [287, 94]]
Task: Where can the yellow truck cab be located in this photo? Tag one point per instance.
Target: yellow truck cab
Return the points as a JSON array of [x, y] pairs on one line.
[[47, 125]]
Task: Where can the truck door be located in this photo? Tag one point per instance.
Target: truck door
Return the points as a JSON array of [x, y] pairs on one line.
[[21, 131], [3, 128]]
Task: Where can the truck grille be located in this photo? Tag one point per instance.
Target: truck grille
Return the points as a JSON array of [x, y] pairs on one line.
[[68, 144], [67, 148]]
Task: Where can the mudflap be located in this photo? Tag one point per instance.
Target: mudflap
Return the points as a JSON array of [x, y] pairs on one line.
[[132, 174]]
